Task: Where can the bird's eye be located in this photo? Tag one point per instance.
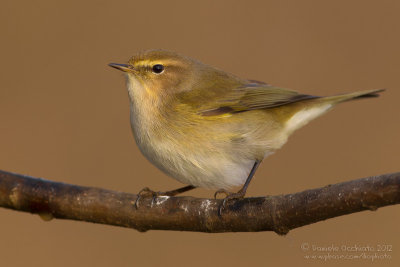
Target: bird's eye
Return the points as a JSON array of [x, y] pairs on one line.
[[158, 68]]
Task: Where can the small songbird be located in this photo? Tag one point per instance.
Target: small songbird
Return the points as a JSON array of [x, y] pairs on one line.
[[208, 128]]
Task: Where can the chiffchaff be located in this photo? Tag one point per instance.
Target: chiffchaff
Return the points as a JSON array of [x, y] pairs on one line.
[[208, 128]]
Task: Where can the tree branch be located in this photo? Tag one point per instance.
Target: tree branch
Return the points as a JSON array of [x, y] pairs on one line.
[[279, 213]]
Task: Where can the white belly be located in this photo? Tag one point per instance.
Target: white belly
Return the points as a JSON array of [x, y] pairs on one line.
[[208, 170]]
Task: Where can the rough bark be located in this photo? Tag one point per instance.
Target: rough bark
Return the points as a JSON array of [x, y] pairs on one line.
[[279, 213]]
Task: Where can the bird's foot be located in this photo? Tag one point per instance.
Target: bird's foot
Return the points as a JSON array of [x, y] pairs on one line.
[[147, 192], [228, 196]]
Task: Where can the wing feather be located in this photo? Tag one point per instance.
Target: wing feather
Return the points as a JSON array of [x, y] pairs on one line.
[[246, 97]]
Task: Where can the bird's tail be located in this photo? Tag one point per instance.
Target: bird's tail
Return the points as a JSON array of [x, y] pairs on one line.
[[352, 96], [314, 108]]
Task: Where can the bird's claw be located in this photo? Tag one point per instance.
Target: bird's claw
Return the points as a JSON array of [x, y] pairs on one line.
[[146, 192], [222, 191], [228, 196]]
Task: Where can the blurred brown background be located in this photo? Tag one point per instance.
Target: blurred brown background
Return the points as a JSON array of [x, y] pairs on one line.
[[64, 116]]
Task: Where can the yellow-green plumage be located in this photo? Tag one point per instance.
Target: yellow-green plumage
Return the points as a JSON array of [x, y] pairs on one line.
[[205, 127]]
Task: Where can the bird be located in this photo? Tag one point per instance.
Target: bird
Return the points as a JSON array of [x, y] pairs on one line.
[[209, 128]]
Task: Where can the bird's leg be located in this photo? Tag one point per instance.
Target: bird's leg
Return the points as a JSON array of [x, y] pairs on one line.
[[241, 193], [147, 192]]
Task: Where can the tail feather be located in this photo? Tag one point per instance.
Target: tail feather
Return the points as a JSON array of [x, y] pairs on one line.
[[321, 105], [352, 96]]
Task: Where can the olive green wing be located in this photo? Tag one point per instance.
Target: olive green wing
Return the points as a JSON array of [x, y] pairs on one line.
[[246, 97]]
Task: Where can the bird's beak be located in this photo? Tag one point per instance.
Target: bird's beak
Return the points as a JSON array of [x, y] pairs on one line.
[[122, 67]]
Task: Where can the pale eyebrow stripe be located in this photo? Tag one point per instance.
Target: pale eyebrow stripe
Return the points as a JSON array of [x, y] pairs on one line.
[[148, 62]]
